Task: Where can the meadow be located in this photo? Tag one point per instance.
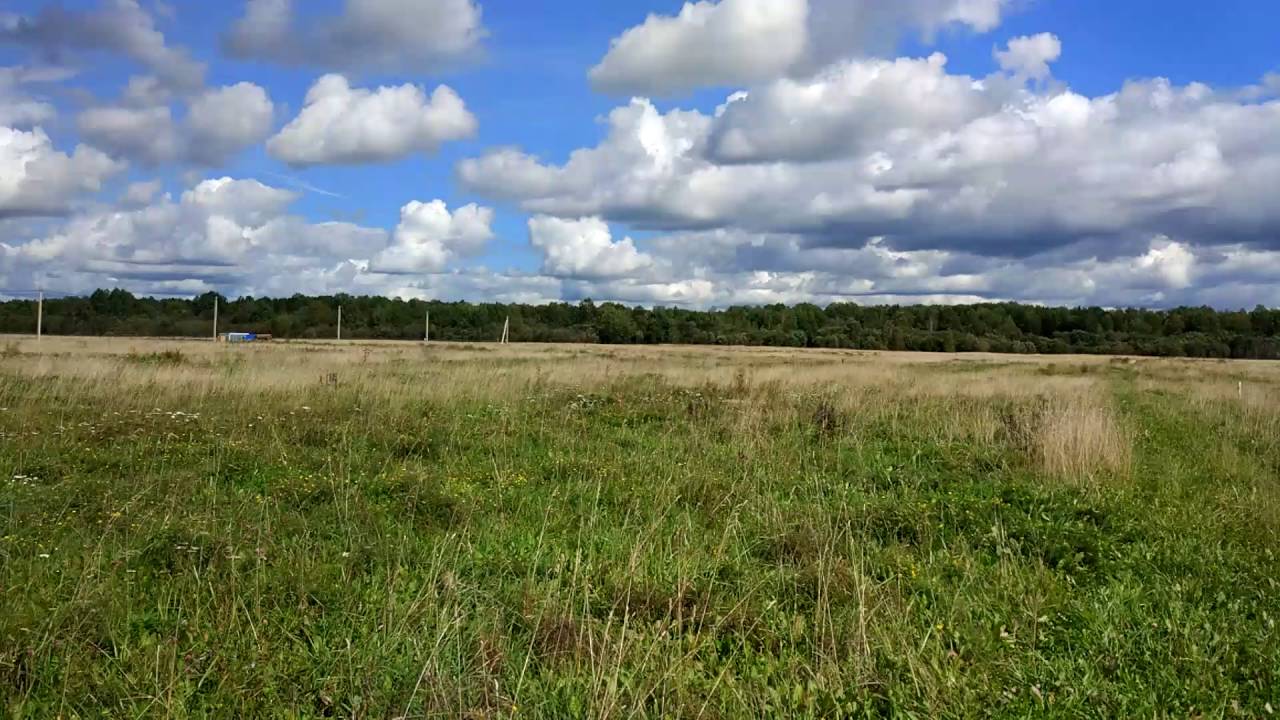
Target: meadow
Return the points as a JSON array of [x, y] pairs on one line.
[[393, 530]]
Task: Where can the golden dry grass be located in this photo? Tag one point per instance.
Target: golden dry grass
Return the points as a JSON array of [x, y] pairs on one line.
[[1059, 409], [1078, 436]]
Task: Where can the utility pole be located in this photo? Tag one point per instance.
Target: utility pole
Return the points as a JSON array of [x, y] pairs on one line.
[[40, 317], [215, 318], [339, 322]]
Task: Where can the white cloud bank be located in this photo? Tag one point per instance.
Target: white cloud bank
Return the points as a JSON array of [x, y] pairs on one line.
[[885, 180], [240, 233]]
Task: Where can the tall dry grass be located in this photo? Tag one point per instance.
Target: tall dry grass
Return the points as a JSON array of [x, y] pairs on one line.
[[1058, 410], [1079, 438]]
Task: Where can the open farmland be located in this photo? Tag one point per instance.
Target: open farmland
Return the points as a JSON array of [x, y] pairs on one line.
[[392, 530]]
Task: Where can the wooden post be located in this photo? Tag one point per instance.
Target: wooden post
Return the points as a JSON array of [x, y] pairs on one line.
[[506, 331], [40, 316], [215, 318], [426, 338], [339, 322]]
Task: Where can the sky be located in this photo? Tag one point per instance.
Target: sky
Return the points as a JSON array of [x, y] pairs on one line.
[[650, 152]]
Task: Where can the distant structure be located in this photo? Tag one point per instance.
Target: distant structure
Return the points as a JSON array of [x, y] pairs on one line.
[[243, 337]]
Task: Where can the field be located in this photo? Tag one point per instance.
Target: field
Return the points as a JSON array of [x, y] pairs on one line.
[[397, 531]]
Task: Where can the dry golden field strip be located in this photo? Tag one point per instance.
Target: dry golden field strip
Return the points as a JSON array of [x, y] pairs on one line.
[[393, 530]]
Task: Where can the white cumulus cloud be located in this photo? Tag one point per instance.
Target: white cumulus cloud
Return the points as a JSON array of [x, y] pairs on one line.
[[344, 125], [37, 179], [226, 120], [1030, 56], [708, 43], [584, 248], [713, 43], [429, 237]]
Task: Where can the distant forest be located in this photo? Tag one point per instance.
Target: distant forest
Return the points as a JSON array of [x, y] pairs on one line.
[[995, 327]]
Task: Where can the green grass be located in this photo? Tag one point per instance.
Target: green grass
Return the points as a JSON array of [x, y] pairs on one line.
[[628, 550]]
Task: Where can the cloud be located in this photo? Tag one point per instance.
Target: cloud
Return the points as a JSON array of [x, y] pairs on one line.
[[850, 107], [413, 36], [219, 123], [429, 237], [224, 121], [141, 193], [17, 107], [583, 248], [840, 29], [716, 43], [730, 42], [638, 172], [36, 179], [148, 135], [342, 125], [723, 268], [240, 235], [244, 202], [1030, 56], [945, 161], [220, 223], [873, 180], [121, 27], [1172, 263]]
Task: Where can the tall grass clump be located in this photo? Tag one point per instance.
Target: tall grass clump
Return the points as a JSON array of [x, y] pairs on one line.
[[1079, 438]]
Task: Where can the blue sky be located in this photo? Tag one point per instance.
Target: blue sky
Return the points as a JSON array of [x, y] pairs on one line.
[[1036, 178]]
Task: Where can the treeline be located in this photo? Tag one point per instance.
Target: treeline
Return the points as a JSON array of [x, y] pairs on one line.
[[996, 327]]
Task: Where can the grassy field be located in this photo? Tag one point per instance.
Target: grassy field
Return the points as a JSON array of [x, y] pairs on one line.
[[397, 531]]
